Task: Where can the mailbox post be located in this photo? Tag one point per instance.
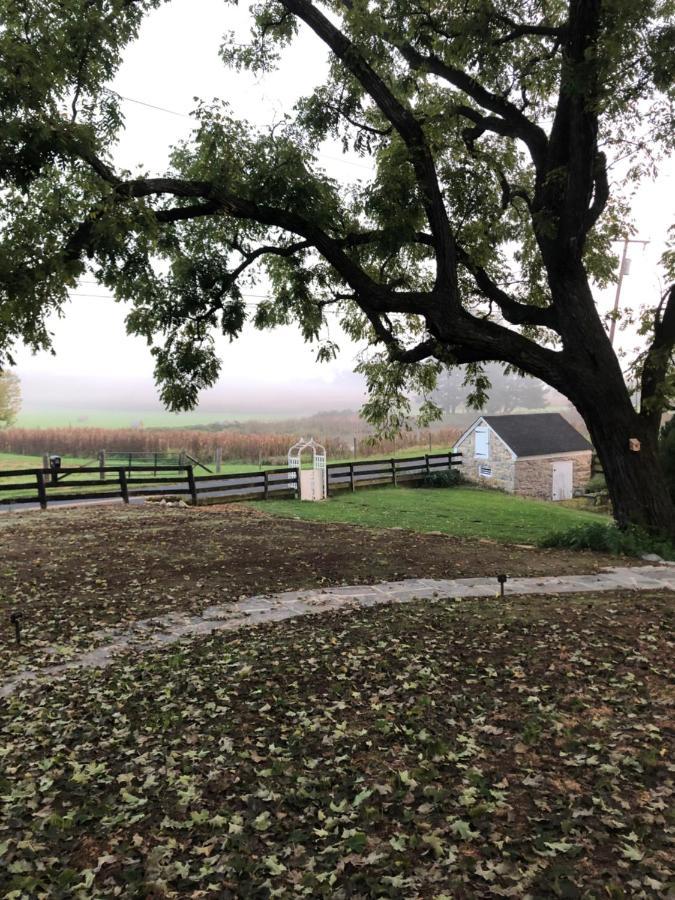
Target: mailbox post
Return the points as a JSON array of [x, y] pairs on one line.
[[55, 466]]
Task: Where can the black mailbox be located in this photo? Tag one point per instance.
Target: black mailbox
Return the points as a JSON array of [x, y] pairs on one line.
[[55, 465]]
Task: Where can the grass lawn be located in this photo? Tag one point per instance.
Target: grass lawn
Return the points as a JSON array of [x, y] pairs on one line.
[[446, 750], [462, 511]]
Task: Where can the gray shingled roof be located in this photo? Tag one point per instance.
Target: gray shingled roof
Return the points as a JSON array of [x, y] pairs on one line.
[[538, 434]]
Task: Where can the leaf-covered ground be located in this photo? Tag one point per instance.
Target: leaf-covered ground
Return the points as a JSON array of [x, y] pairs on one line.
[[461, 749], [74, 572]]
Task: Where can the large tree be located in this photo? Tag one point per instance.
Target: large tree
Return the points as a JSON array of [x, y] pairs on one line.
[[491, 126]]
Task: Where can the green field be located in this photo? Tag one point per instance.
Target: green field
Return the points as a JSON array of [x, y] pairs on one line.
[[461, 511]]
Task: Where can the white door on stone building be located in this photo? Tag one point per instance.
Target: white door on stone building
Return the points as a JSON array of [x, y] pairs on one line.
[[563, 480]]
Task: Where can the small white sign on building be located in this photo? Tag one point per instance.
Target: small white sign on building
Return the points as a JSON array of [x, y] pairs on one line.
[[312, 481]]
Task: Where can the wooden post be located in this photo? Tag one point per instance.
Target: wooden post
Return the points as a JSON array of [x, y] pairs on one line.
[[101, 464], [266, 476], [155, 471], [41, 489], [426, 462], [192, 485], [354, 446], [393, 471], [219, 458], [45, 462], [351, 477], [124, 487]]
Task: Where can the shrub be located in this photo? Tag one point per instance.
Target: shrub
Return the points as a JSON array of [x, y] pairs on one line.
[[607, 538], [595, 484], [451, 478]]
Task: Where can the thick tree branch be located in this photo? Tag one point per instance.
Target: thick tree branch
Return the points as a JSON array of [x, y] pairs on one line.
[[600, 192], [407, 126], [219, 201], [658, 360], [531, 134], [514, 312], [572, 150]]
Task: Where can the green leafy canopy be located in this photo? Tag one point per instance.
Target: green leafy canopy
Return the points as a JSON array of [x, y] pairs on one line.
[[455, 106]]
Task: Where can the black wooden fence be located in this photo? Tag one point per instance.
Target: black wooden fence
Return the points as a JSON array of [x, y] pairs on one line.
[[47, 486], [388, 471], [44, 486]]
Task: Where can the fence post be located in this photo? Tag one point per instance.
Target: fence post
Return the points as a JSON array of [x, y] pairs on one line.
[[101, 464], [45, 461], [426, 462], [266, 478], [191, 484], [41, 489], [351, 477], [124, 488], [393, 471], [219, 458]]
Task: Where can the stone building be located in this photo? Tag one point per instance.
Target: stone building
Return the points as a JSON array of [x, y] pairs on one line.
[[534, 455]]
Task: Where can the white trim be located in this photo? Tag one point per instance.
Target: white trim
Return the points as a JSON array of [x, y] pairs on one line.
[[472, 428], [469, 431]]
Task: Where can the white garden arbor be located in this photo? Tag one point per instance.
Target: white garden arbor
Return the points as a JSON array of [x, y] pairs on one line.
[[312, 481]]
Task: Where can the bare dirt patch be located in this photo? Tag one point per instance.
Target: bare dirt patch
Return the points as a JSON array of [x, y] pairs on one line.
[[73, 572]]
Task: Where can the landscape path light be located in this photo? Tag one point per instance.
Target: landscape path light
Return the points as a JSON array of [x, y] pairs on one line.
[[15, 619]]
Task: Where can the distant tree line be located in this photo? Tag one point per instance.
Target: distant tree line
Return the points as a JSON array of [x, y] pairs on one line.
[[503, 393]]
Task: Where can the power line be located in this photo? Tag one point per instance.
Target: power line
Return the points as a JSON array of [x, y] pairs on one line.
[[174, 112]]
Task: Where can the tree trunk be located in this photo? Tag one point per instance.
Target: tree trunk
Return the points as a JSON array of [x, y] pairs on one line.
[[634, 477]]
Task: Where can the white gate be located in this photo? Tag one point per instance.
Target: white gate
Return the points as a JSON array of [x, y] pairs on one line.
[[563, 480], [312, 481]]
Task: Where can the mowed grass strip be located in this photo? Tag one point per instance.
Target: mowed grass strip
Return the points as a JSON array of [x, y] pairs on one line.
[[461, 511], [441, 750]]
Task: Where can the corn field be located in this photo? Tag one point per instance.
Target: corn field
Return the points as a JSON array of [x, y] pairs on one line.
[[236, 446]]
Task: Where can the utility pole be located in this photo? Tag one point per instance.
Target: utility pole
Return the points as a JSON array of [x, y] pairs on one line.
[[624, 270]]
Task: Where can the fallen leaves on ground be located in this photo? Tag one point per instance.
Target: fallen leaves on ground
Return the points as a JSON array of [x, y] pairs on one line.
[[447, 749]]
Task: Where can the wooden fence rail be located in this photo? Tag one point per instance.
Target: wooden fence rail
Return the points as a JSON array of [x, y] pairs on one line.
[[44, 486], [277, 482], [388, 471]]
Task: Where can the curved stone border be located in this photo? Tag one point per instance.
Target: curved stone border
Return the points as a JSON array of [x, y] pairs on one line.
[[149, 634]]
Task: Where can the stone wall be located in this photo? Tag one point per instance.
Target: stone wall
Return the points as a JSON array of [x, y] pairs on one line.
[[534, 477], [499, 460]]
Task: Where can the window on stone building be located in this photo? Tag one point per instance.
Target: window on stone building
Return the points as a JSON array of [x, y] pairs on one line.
[[485, 471], [481, 443]]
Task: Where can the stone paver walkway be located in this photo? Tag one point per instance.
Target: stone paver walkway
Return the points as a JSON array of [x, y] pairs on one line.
[[152, 633]]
